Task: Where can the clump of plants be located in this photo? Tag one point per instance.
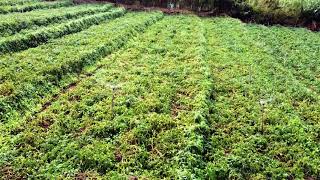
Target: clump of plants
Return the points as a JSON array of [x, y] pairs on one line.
[[283, 11]]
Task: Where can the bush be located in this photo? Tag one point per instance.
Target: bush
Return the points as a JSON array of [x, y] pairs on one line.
[[272, 10]]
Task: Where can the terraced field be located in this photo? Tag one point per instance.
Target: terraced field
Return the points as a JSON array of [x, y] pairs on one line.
[[94, 91]]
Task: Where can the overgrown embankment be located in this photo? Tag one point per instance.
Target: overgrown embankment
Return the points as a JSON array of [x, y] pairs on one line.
[[302, 13]]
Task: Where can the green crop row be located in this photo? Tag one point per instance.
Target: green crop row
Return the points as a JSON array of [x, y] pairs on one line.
[[34, 38], [263, 126], [298, 50], [28, 76], [81, 11], [15, 22], [144, 113], [15, 2], [33, 6]]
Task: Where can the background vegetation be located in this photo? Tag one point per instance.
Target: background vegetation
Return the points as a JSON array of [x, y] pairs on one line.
[[277, 11]]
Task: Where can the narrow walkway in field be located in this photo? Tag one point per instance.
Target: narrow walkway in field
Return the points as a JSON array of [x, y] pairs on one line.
[[143, 113], [257, 125]]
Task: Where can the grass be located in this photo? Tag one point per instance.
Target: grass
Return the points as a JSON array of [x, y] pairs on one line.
[[150, 96]]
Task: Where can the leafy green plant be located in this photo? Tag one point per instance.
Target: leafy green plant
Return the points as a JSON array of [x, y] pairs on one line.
[[27, 40], [239, 149], [33, 6], [67, 57], [16, 2], [151, 96], [15, 22]]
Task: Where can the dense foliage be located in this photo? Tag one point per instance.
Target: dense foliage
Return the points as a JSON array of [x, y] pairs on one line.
[[266, 110], [281, 10], [272, 10], [16, 2], [33, 5], [96, 92], [15, 22], [29, 75], [32, 38]]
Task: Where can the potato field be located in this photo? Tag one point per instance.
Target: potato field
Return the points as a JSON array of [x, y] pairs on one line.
[[93, 91]]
